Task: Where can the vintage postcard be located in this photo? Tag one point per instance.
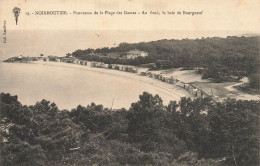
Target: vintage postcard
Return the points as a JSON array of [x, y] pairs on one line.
[[129, 82]]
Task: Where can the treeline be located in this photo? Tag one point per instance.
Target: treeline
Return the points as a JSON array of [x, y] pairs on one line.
[[108, 60], [189, 132], [254, 81], [222, 58]]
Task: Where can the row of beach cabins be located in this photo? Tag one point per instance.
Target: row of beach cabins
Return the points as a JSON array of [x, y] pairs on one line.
[[171, 80], [194, 90], [100, 65]]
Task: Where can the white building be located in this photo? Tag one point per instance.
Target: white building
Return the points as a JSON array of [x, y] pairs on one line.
[[135, 53]]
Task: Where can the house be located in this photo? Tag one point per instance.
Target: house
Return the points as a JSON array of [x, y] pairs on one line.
[[114, 66], [83, 63], [121, 67], [193, 91], [66, 60], [179, 83], [199, 93], [89, 64], [129, 69], [143, 74], [160, 77], [135, 53], [62, 60], [172, 80], [76, 61], [93, 64], [135, 70], [20, 57], [102, 65], [43, 59], [98, 64], [110, 66], [106, 66], [167, 80], [164, 79], [124, 68], [117, 67], [57, 60], [186, 86], [156, 76], [38, 58], [199, 70], [150, 75]]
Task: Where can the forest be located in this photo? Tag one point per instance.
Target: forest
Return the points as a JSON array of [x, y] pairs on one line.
[[188, 132], [223, 59]]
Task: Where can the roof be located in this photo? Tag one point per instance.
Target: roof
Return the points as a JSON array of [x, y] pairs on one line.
[[135, 52], [179, 83]]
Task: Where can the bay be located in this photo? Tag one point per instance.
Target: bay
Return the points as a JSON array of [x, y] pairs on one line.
[[70, 85]]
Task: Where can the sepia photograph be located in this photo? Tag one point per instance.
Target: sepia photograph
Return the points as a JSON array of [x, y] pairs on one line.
[[127, 82]]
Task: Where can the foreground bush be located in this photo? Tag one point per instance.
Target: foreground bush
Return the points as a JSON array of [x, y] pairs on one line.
[[191, 132]]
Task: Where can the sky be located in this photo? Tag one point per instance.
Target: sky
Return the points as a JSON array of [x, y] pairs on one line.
[[58, 35]]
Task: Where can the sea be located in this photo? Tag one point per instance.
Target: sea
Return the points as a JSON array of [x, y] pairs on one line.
[[69, 87]]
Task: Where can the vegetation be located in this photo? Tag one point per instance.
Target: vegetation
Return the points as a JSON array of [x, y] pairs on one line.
[[254, 80], [190, 132], [223, 59]]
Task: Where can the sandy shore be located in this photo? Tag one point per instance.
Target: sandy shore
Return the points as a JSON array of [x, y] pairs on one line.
[[175, 91]]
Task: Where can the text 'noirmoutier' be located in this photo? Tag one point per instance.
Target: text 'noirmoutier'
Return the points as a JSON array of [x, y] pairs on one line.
[[87, 12]]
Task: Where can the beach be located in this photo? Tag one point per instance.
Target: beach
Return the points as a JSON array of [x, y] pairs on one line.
[[176, 91], [69, 85]]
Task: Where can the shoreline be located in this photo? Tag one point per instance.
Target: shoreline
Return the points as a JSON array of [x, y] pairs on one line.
[[172, 89], [168, 92]]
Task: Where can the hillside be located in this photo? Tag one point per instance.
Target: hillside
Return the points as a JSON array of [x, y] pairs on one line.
[[222, 59]]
